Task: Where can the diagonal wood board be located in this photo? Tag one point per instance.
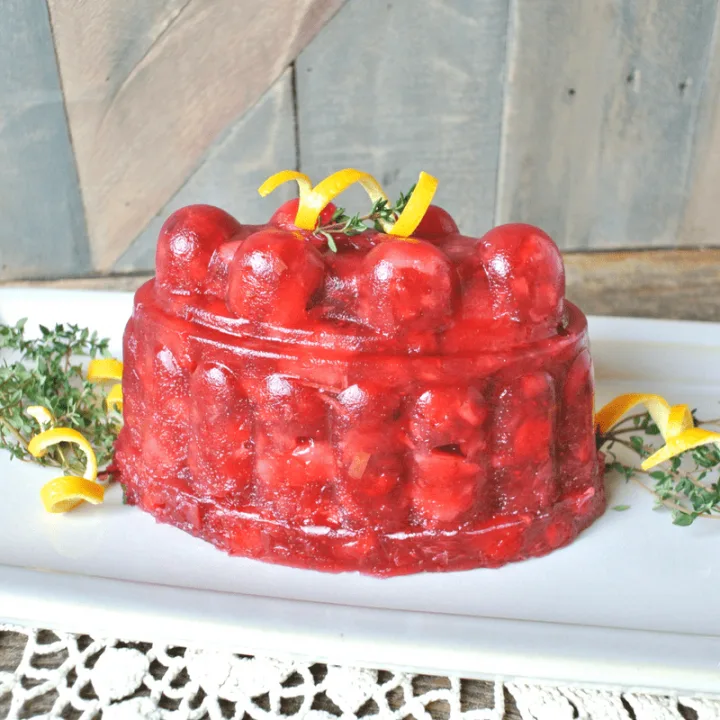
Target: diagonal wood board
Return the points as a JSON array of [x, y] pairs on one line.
[[150, 85]]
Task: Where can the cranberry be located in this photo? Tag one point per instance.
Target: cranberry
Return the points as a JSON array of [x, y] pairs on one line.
[[407, 286], [372, 482], [221, 447], [524, 440], [272, 277], [295, 484], [186, 243], [338, 298], [284, 216], [449, 419], [310, 461], [219, 266], [445, 487], [460, 250], [522, 273], [289, 413], [436, 223], [164, 438], [369, 439], [578, 447], [465, 253]]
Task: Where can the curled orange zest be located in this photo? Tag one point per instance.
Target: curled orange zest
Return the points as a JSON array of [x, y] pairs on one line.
[[66, 493], [115, 398], [657, 406], [327, 190], [105, 369], [675, 423], [687, 440], [416, 206], [679, 420], [280, 178], [39, 445], [314, 200], [41, 415]]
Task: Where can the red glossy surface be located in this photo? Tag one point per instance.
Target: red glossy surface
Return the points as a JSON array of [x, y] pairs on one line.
[[392, 408], [436, 223]]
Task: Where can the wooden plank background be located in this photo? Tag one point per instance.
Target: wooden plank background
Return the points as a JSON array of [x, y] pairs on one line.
[[151, 84], [596, 120], [232, 169], [422, 91], [600, 113], [42, 228]]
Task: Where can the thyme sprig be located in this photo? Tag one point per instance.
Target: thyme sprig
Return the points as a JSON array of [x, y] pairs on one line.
[[343, 224], [688, 485], [48, 371]]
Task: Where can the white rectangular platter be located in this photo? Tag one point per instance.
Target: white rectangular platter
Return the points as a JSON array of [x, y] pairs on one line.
[[633, 602]]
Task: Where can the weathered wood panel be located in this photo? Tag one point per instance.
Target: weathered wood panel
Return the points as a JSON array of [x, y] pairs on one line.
[[151, 84], [599, 117], [701, 219], [678, 284], [257, 145], [42, 228], [398, 87], [681, 284]]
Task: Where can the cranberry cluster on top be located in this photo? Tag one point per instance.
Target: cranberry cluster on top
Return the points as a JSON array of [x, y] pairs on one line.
[[439, 291]]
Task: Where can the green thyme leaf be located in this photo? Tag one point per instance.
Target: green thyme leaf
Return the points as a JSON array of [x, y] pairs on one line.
[[329, 239], [625, 470], [48, 371], [638, 445], [381, 212], [688, 485], [683, 519]]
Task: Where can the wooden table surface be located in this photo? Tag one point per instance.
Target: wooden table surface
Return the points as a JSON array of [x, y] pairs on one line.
[[682, 284]]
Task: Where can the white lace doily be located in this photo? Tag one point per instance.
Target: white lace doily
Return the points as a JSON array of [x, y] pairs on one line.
[[74, 676]]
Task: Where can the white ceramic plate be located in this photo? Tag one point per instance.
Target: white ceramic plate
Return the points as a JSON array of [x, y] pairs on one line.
[[633, 602]]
